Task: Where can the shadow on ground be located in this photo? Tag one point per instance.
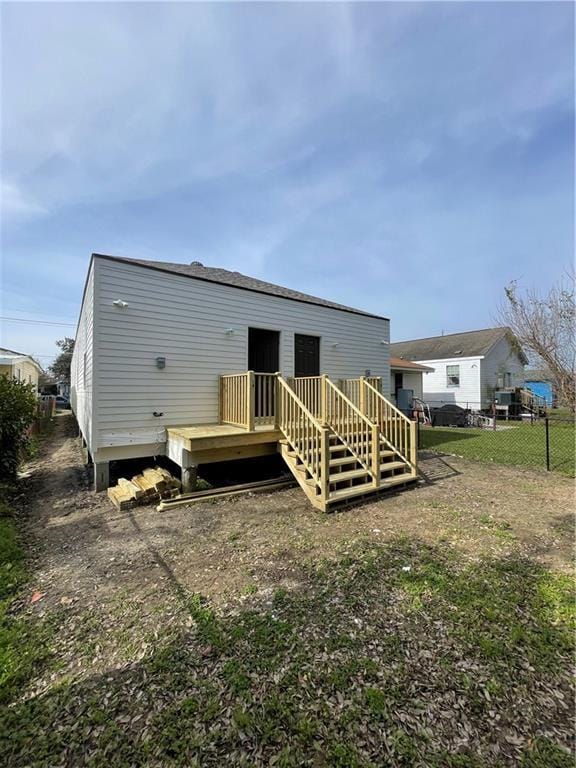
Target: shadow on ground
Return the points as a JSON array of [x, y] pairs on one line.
[[401, 654]]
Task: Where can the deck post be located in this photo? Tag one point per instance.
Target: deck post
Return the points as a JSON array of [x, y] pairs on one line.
[[276, 396], [325, 464], [220, 399], [250, 401], [361, 396], [323, 400], [101, 475], [414, 445], [376, 455]]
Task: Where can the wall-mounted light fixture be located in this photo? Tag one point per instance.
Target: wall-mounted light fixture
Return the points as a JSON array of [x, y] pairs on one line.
[[120, 304], [160, 362], [383, 341], [335, 344], [230, 331]]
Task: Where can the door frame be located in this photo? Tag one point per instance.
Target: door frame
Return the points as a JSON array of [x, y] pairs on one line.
[[264, 328], [320, 352]]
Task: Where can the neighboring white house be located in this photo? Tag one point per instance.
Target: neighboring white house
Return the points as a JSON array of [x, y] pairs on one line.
[[20, 366], [154, 337], [468, 367]]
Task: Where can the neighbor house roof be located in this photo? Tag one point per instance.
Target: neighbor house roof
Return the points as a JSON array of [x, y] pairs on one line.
[[9, 356], [467, 344], [408, 365], [537, 374], [198, 271]]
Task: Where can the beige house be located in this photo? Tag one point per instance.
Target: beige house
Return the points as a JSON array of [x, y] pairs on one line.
[[19, 366]]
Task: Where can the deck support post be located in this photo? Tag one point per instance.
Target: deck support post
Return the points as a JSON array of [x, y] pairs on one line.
[[101, 475], [189, 473]]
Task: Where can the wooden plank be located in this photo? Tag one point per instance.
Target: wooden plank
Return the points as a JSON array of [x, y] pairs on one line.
[[232, 490]]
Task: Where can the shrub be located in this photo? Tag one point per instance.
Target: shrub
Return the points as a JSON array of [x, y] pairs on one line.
[[17, 412]]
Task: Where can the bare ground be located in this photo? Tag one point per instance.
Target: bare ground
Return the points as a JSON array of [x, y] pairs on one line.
[[87, 551], [119, 586]]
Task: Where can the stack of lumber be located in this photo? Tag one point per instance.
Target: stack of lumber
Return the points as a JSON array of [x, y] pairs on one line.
[[151, 486]]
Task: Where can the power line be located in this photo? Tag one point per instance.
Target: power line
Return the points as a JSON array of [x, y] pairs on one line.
[[37, 322]]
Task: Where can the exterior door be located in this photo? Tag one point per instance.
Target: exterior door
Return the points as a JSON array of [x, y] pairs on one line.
[[263, 350], [306, 355], [263, 357]]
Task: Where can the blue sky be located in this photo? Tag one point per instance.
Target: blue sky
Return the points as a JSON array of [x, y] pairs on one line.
[[406, 158]]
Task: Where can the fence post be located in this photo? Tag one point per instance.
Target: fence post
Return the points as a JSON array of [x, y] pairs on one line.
[[494, 415], [547, 423], [250, 401]]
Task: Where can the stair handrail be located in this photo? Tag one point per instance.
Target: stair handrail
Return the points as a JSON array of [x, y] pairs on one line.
[[354, 429], [399, 432], [309, 440]]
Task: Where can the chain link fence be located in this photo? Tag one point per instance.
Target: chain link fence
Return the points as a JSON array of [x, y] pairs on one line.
[[546, 443]]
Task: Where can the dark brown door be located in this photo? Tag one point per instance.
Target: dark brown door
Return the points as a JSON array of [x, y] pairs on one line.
[[306, 355], [263, 350]]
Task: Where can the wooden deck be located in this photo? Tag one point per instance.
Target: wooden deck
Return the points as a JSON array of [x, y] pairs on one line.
[[195, 444], [336, 447]]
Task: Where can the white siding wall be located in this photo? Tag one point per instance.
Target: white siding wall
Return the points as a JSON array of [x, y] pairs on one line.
[[410, 380], [500, 359], [81, 372], [185, 320], [435, 388]]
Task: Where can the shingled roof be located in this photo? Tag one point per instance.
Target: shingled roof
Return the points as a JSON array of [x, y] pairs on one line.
[[467, 344], [236, 279]]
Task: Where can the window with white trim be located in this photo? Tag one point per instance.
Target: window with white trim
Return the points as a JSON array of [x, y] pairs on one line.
[[452, 375]]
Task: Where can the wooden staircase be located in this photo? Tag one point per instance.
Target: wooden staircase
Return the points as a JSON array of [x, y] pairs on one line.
[[334, 449]]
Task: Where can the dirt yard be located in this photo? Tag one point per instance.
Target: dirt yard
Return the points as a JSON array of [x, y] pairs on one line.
[[115, 582], [88, 552]]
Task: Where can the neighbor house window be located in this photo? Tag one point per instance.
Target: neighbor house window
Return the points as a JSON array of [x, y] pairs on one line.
[[452, 375]]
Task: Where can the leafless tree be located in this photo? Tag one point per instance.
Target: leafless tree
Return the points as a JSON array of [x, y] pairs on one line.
[[545, 326]]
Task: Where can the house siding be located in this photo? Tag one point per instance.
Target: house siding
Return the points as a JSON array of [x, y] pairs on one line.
[[22, 370], [467, 395], [501, 359], [185, 320], [82, 367]]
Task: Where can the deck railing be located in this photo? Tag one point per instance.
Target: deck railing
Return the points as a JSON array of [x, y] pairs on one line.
[[396, 428], [354, 390], [308, 438], [236, 400], [353, 428], [265, 398], [308, 390], [248, 399]]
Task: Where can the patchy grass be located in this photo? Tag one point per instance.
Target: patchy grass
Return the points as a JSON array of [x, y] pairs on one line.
[[520, 444], [399, 654], [23, 641]]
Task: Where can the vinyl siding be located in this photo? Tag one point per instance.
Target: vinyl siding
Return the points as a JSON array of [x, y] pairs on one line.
[[467, 395], [185, 321], [500, 359], [22, 370], [82, 367]]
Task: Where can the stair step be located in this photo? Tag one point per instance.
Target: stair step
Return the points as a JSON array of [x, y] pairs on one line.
[[352, 475], [361, 490], [390, 465], [342, 461]]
